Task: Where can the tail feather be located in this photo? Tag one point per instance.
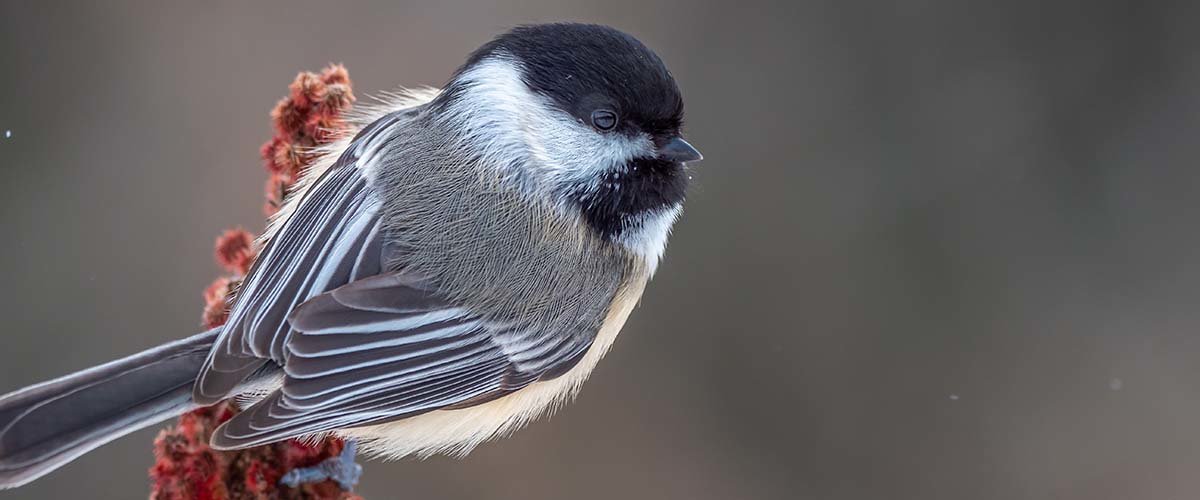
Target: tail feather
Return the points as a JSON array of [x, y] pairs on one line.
[[47, 425]]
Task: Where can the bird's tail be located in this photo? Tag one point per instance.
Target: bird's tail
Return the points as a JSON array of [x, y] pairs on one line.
[[44, 426]]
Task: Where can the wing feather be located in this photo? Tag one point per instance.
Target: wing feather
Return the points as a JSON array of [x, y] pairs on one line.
[[332, 237], [389, 347]]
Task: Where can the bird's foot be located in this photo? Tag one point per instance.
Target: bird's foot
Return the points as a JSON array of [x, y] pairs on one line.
[[341, 469]]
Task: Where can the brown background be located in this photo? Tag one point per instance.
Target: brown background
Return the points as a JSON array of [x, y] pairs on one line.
[[938, 249]]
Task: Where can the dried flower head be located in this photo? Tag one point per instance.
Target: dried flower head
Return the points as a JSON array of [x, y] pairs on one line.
[[216, 299], [307, 90], [336, 74], [235, 250]]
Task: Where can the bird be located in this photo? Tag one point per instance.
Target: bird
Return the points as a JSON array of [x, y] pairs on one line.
[[449, 272]]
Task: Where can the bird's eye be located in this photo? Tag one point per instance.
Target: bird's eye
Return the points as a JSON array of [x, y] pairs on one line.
[[604, 119]]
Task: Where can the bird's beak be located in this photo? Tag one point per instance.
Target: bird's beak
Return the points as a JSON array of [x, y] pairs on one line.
[[678, 150]]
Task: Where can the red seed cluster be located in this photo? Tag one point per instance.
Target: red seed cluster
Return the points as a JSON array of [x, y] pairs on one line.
[[216, 298], [311, 115], [185, 467], [235, 250]]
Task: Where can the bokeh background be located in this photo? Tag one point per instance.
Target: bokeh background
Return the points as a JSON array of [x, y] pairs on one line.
[[937, 250]]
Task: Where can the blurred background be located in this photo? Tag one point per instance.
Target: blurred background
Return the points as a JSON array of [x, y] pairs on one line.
[[937, 249]]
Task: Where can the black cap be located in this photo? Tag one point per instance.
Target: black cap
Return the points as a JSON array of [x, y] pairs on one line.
[[581, 67]]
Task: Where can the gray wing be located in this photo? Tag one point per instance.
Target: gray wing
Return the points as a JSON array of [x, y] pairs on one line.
[[387, 347], [331, 239], [356, 344]]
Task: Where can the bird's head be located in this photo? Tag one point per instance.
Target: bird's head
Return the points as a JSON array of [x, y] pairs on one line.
[[583, 116]]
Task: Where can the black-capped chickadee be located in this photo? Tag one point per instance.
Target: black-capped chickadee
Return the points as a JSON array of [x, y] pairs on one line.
[[452, 272]]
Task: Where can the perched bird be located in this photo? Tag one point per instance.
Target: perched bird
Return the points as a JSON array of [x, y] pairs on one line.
[[452, 272]]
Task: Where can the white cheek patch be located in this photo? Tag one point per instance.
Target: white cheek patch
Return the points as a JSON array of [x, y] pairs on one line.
[[574, 154], [511, 125]]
